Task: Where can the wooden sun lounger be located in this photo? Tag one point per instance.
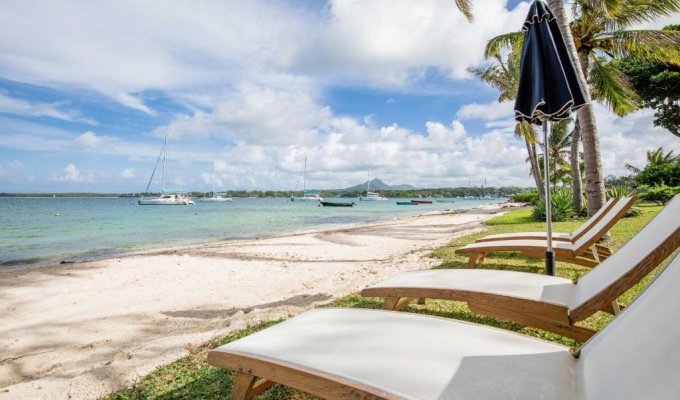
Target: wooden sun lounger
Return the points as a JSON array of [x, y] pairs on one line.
[[557, 236], [583, 251], [374, 354], [546, 302]]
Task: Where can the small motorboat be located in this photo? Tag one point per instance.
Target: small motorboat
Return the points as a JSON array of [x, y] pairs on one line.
[[421, 201], [406, 203], [336, 204]]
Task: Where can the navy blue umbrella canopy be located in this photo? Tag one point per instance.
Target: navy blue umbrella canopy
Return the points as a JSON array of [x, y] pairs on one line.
[[549, 88]]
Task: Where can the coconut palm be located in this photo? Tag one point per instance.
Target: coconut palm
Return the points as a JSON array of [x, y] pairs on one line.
[[559, 149], [600, 32], [656, 157]]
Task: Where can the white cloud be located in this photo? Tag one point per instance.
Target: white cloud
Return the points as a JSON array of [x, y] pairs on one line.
[[395, 42], [91, 140], [492, 111], [72, 174], [57, 110], [128, 173]]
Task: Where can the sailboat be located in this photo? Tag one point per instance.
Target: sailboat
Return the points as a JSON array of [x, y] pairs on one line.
[[371, 196], [168, 197], [216, 197], [307, 195]]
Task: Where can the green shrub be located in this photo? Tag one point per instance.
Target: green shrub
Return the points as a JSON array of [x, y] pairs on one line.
[[530, 197], [562, 206], [620, 191], [660, 194]]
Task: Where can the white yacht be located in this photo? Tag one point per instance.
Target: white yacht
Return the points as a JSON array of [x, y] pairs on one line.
[[217, 197], [307, 195], [371, 196], [167, 197]]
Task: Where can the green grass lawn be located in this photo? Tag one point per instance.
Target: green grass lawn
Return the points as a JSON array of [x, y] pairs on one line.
[[192, 378]]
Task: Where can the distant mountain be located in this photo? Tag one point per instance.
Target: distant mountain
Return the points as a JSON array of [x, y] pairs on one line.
[[377, 184]]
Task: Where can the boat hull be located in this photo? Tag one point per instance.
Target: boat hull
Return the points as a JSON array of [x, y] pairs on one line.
[[335, 204], [421, 201], [406, 203], [159, 202]]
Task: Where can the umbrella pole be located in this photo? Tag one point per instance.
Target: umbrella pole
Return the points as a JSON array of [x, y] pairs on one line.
[[549, 255]]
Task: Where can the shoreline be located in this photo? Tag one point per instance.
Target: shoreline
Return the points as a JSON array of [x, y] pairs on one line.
[[85, 329], [103, 254]]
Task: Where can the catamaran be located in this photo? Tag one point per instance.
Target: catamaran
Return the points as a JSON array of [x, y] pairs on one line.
[[216, 197], [168, 197], [371, 196], [307, 195]]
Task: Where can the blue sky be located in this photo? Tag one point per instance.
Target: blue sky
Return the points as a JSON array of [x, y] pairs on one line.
[[87, 93]]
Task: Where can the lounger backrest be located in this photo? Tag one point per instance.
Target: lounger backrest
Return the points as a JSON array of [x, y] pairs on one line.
[[605, 223], [576, 234], [637, 356], [628, 265]]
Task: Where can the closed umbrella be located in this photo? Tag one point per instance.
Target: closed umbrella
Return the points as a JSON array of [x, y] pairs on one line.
[[549, 90]]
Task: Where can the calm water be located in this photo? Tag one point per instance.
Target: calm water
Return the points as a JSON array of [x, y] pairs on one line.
[[32, 233]]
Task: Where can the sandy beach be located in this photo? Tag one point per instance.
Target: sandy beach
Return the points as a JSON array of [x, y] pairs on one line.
[[85, 329]]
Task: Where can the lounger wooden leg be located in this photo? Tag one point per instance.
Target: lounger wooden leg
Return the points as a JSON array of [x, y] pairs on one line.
[[390, 303], [243, 386], [596, 255], [481, 259], [473, 260]]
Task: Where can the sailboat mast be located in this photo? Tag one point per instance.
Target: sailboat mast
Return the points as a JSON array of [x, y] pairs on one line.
[[368, 181], [304, 178], [213, 191], [165, 156]]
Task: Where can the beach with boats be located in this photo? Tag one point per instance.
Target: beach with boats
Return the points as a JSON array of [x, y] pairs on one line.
[[342, 200], [152, 305]]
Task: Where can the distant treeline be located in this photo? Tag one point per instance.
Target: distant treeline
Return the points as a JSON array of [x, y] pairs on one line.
[[505, 191]]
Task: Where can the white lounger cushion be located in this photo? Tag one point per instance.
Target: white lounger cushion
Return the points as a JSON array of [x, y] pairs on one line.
[[416, 357], [637, 356], [522, 285], [621, 262]]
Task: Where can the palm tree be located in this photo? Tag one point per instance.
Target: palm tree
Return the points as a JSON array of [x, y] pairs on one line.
[[599, 33], [502, 73], [559, 149], [656, 157]]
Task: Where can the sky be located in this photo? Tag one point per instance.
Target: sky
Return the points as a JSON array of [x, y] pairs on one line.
[[89, 91]]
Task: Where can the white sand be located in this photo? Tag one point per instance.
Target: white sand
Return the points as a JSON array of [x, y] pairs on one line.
[[83, 330]]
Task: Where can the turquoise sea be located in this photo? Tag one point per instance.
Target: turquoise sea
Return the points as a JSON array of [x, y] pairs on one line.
[[39, 231]]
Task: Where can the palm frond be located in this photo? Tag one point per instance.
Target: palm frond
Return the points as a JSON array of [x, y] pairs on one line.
[[611, 86], [508, 41], [524, 130], [465, 6], [633, 12], [644, 45]]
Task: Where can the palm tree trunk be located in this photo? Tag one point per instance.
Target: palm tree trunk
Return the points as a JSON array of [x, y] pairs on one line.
[[535, 172], [586, 116], [577, 191], [591, 151]]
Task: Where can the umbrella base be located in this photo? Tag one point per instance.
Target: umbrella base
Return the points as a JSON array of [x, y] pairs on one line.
[[550, 263]]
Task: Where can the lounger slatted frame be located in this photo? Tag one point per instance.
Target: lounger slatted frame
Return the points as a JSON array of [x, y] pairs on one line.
[[584, 251]]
